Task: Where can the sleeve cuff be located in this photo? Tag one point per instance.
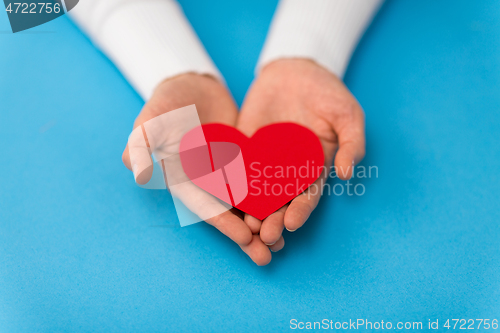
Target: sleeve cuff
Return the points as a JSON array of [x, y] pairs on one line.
[[148, 40], [326, 31]]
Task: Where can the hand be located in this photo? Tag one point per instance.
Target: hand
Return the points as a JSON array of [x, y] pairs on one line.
[[214, 104], [301, 91]]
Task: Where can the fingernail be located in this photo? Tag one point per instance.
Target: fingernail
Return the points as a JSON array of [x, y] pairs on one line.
[[270, 244], [291, 230], [273, 250]]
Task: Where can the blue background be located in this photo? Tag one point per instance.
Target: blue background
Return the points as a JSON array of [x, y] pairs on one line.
[[84, 249]]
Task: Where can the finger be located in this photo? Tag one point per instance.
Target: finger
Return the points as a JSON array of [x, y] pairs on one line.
[[257, 251], [253, 223], [139, 156], [126, 158], [302, 206], [144, 176], [278, 245], [272, 226], [233, 227], [351, 137]]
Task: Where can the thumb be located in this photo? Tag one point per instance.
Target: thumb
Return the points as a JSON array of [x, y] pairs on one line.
[[351, 137], [137, 156]]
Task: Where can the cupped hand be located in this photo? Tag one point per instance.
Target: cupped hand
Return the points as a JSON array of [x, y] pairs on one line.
[[303, 92], [214, 104]]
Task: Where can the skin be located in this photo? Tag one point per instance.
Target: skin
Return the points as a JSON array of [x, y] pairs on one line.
[[301, 91], [286, 90], [214, 104]]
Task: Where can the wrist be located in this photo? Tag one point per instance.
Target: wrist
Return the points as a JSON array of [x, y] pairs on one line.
[[301, 66], [191, 88], [190, 83], [189, 77]]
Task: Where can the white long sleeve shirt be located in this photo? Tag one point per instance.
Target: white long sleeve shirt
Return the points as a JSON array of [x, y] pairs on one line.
[[151, 40]]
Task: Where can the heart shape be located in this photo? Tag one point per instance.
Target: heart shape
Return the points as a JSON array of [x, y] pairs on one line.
[[261, 173]]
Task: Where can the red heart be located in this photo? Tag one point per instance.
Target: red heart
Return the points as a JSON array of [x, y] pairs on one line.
[[280, 161]]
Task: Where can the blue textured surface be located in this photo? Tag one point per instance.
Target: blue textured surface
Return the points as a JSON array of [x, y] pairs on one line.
[[84, 249]]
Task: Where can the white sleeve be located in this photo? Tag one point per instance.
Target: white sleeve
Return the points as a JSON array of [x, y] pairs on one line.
[[148, 40], [326, 31]]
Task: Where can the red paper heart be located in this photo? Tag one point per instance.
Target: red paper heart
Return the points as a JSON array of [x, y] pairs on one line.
[[280, 161]]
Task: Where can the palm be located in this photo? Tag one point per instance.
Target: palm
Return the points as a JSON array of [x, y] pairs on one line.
[[214, 104], [302, 92]]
